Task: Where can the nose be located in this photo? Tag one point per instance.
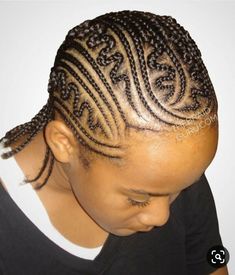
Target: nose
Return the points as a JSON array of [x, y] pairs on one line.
[[156, 214]]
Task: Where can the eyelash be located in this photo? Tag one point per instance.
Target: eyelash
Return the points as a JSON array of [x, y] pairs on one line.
[[137, 203]]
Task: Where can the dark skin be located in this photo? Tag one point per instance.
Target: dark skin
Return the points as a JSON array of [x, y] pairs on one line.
[[88, 204]]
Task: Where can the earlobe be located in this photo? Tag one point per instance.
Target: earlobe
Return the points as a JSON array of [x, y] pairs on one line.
[[60, 139]]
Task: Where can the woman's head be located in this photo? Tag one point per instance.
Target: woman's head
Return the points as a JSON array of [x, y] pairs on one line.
[[130, 104], [129, 70]]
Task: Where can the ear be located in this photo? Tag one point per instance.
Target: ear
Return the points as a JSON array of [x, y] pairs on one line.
[[61, 141]]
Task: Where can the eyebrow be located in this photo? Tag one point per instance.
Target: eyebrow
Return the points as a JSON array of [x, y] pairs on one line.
[[157, 194]]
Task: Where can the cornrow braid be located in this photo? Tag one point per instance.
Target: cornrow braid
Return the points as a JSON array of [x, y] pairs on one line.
[[30, 129], [120, 71]]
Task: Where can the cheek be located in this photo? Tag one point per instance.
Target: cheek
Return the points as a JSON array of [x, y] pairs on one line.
[[101, 204], [106, 212], [105, 205]]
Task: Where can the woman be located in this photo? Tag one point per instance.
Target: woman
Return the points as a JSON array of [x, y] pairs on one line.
[[114, 163]]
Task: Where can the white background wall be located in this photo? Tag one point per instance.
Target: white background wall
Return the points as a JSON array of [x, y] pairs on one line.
[[31, 33]]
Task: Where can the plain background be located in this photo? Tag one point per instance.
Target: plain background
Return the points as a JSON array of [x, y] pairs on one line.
[[31, 32]]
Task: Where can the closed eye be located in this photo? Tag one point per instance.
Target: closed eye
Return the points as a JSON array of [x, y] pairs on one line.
[[138, 203]]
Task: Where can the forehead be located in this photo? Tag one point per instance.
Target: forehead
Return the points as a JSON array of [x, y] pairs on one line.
[[161, 162]]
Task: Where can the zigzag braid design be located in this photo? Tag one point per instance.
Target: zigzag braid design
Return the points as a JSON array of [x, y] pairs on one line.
[[120, 70]]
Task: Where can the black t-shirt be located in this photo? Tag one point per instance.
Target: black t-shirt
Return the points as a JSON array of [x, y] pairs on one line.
[[177, 248]]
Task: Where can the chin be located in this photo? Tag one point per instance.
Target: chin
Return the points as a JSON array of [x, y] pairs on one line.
[[123, 232]]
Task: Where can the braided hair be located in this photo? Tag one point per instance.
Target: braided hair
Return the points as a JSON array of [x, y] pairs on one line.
[[121, 70]]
